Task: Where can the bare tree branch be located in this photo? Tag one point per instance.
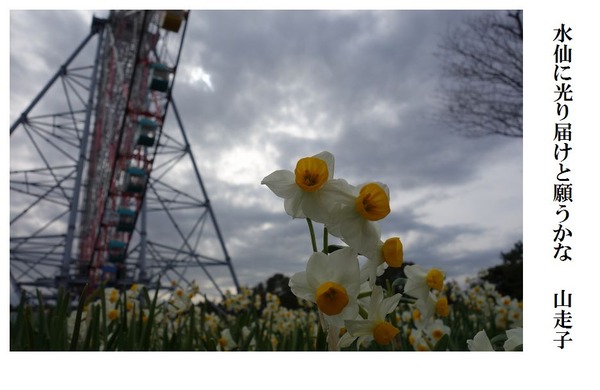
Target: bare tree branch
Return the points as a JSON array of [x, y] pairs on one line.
[[482, 69]]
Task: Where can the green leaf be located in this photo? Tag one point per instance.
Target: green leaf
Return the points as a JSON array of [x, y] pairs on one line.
[[321, 339], [18, 335], [78, 315]]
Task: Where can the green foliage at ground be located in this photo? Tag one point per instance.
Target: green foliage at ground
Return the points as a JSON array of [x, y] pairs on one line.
[[251, 320]]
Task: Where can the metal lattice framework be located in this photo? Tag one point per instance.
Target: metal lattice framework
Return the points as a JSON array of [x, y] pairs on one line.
[[103, 189]]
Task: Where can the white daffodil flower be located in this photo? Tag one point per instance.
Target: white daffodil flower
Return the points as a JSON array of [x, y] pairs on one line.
[[418, 340], [303, 190], [374, 327], [179, 303], [480, 342], [421, 281], [436, 330], [426, 307], [226, 341], [332, 282], [389, 253], [355, 212], [515, 338], [432, 305]]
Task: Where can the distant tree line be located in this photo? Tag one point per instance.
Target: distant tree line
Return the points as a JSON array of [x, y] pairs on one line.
[[508, 276]]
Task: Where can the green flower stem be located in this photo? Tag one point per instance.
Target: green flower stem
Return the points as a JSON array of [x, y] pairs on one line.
[[409, 300], [325, 241], [364, 294], [312, 234], [363, 313]]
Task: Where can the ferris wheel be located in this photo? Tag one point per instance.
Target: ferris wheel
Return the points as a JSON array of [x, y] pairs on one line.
[[99, 197]]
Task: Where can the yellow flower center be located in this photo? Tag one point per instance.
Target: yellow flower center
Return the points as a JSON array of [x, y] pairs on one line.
[[516, 316], [412, 340], [372, 202], [441, 307], [113, 314], [437, 334], [114, 296], [435, 279], [311, 173], [393, 253], [416, 315], [384, 333], [331, 298]]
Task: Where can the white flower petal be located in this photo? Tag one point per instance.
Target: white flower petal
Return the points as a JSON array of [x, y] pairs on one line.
[[344, 269], [300, 287], [349, 312], [416, 285], [282, 183], [361, 234], [376, 299], [364, 341], [337, 192], [338, 320], [515, 338], [317, 271], [346, 340], [426, 306], [368, 273], [414, 271], [329, 161], [315, 208], [381, 268], [480, 342], [359, 327], [388, 305], [293, 205]]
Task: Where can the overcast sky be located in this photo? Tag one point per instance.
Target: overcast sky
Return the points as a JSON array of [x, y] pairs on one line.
[[259, 90]]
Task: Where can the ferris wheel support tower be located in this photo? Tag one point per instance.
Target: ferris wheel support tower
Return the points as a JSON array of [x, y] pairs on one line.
[[100, 197]]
